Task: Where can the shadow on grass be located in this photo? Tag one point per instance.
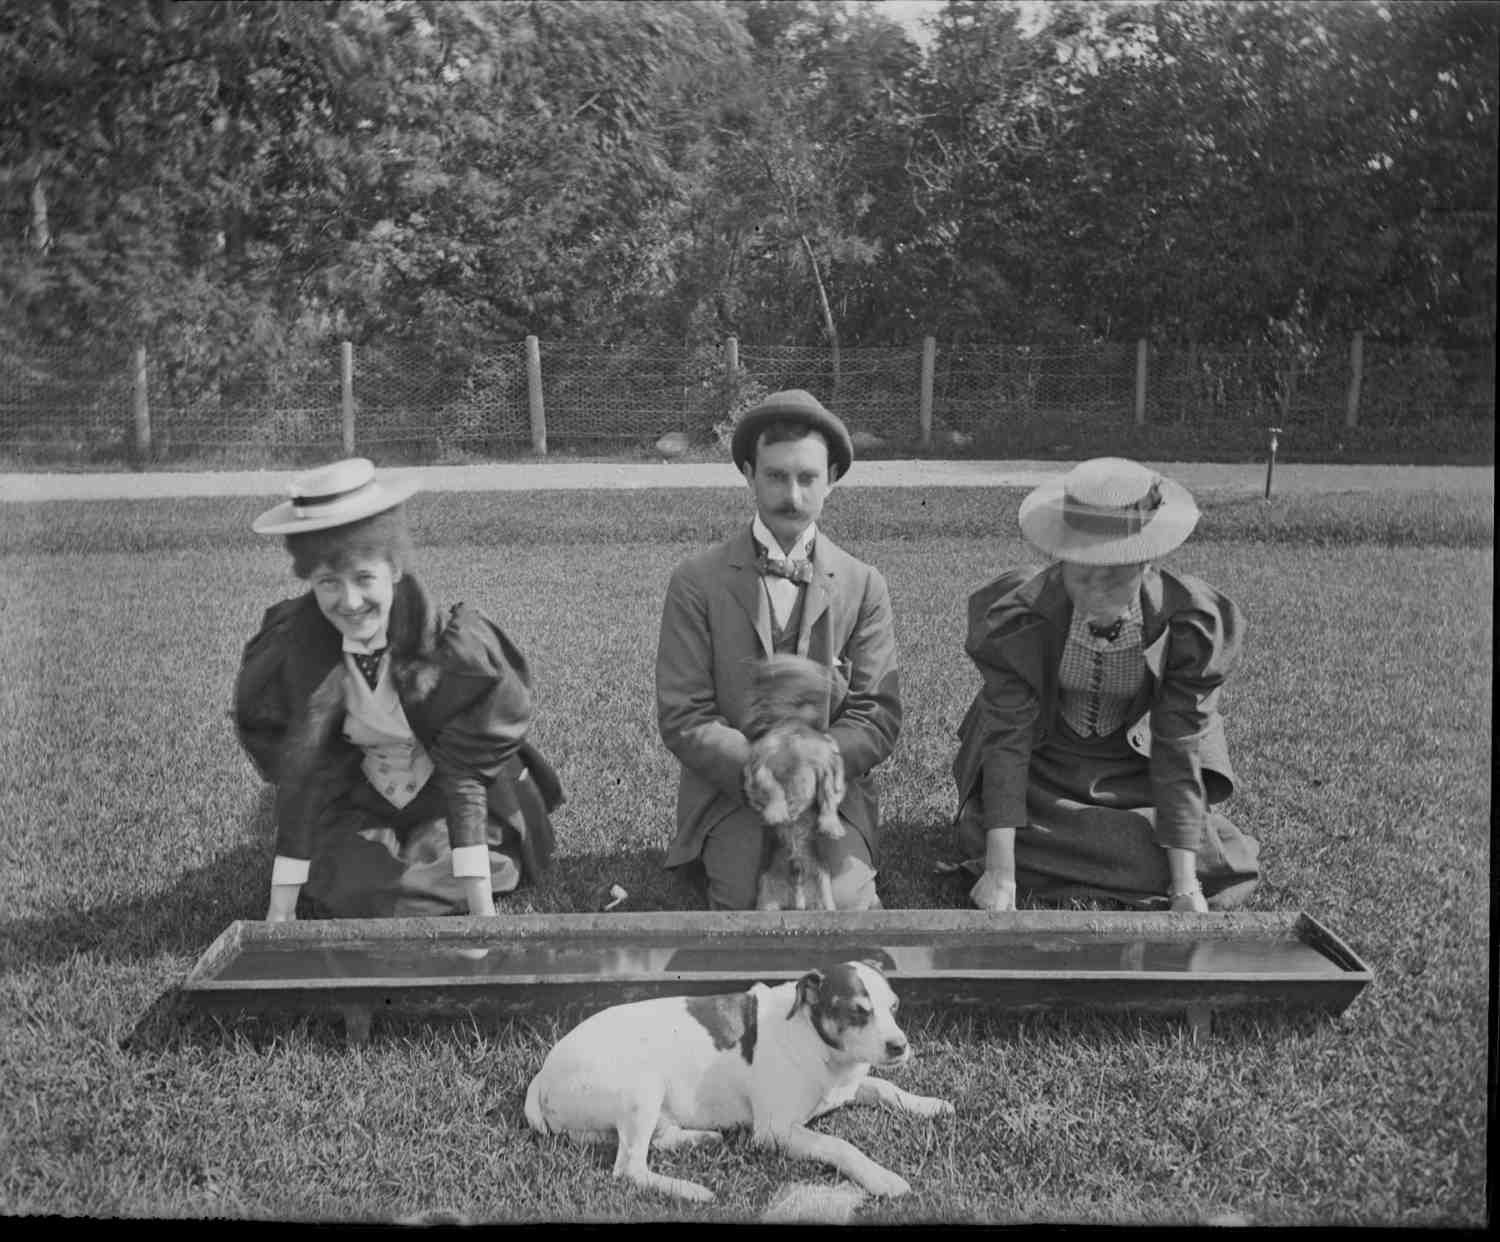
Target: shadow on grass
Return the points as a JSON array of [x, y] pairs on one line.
[[577, 883], [584, 883], [183, 919]]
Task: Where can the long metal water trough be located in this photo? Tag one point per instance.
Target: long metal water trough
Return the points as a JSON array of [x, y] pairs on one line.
[[952, 959]]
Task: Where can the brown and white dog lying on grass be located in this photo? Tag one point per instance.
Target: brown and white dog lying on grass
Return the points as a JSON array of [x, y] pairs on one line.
[[675, 1071], [794, 780]]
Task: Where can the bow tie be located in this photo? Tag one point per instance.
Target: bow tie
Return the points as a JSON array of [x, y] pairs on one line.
[[1108, 632], [369, 665], [794, 570]]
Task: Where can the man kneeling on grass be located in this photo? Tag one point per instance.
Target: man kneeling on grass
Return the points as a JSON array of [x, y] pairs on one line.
[[778, 585], [395, 736], [1092, 760]]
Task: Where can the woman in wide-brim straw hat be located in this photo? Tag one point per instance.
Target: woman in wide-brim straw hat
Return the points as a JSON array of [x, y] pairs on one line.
[[1092, 761], [395, 736]]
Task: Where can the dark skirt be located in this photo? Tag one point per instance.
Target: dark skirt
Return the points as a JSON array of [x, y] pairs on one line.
[[1092, 831], [373, 860]]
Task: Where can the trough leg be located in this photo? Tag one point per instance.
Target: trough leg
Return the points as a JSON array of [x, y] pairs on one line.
[[356, 1021], [1200, 1023]]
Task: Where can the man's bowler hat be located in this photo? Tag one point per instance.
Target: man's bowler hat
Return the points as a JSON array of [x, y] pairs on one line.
[[795, 406]]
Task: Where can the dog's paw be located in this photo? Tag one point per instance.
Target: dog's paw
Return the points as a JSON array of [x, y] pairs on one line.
[[883, 1182], [930, 1106], [832, 827], [696, 1193]]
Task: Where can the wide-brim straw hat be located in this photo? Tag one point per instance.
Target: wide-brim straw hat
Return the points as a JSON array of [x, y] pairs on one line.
[[331, 496], [1108, 511], [796, 405]]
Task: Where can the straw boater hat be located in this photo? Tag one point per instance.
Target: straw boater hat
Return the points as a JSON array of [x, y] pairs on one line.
[[1108, 511], [799, 406], [332, 496]]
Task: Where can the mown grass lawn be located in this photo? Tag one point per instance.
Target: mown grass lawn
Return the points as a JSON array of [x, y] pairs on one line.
[[133, 832]]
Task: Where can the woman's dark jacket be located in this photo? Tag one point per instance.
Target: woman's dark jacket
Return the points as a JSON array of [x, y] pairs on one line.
[[1018, 624], [465, 689]]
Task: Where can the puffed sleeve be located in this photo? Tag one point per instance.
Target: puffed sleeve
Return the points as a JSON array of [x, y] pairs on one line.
[[482, 711], [261, 711], [1000, 727], [1203, 647]]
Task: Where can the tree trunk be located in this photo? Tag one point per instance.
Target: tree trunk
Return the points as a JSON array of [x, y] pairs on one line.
[[828, 324], [41, 228], [1188, 391]]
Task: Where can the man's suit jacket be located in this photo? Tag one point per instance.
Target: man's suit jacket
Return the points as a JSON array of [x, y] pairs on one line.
[[1018, 624], [715, 628]]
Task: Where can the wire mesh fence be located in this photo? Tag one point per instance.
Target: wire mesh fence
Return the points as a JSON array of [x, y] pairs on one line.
[[65, 404], [426, 403], [977, 389], [289, 406], [396, 398]]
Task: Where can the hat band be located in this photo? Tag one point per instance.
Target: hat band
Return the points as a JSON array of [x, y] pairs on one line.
[[1116, 520], [307, 506]]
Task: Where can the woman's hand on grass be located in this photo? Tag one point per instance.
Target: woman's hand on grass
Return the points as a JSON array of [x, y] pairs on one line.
[[283, 907], [481, 900], [1184, 893], [995, 890], [1190, 902]]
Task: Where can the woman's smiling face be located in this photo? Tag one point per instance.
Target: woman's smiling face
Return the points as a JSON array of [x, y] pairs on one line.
[[356, 598]]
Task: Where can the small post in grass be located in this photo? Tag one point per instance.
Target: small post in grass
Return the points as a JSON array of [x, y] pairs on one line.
[[1271, 460]]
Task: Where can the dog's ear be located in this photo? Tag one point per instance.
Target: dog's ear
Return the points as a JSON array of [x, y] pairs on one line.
[[807, 991]]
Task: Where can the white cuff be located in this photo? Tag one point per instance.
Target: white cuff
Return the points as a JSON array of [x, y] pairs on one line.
[[471, 862], [289, 870]]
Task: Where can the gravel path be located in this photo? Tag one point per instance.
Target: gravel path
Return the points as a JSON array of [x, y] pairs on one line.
[[1247, 479]]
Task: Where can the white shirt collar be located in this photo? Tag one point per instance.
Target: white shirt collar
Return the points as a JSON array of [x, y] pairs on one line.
[[359, 648], [763, 536]]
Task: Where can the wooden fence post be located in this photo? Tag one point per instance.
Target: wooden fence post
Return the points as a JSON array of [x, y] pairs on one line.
[[1356, 378], [534, 396], [142, 408], [346, 389], [924, 408], [731, 356], [1140, 382]]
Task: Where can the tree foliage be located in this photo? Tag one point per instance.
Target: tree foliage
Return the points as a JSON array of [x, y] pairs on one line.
[[228, 181]]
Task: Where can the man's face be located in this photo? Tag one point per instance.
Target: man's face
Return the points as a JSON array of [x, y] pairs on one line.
[[790, 482]]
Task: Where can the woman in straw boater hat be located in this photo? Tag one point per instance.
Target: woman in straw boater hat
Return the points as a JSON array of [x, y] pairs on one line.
[[395, 736], [1092, 762]]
